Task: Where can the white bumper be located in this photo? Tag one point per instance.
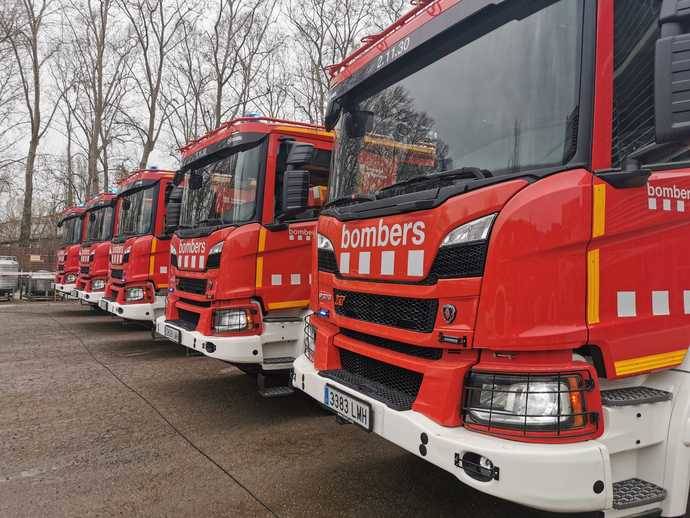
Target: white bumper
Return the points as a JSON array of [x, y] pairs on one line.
[[90, 297], [66, 289], [551, 477], [144, 312], [275, 349]]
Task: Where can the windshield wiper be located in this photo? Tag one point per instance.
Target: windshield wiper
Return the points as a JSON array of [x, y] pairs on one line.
[[469, 173], [350, 199], [211, 222]]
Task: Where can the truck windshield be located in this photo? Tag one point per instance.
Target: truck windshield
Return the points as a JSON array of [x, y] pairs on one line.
[[71, 231], [504, 103], [223, 192], [100, 224], [136, 212]]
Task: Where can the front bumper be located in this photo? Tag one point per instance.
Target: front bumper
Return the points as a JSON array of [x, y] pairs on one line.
[[551, 477], [274, 349], [91, 297], [66, 289], [146, 312]]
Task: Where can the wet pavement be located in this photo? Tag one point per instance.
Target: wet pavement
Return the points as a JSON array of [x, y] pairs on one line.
[[98, 419]]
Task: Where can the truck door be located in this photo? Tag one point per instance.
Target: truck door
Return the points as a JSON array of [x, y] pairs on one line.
[[284, 263], [639, 257]]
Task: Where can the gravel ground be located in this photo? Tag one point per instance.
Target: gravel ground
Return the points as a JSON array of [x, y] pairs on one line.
[[97, 419]]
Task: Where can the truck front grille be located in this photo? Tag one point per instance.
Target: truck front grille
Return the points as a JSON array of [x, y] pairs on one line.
[[412, 314], [457, 262], [428, 353], [197, 286], [394, 386]]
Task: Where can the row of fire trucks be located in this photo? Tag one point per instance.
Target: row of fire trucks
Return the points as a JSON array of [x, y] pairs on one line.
[[499, 281]]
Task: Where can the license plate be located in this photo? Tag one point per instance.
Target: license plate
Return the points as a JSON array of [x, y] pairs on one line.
[[75, 294], [173, 334], [103, 304], [348, 407]]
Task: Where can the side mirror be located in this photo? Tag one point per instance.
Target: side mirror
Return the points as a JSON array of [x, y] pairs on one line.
[[333, 110], [92, 217], [300, 154], [173, 210], [295, 192], [177, 179], [126, 204], [671, 70]]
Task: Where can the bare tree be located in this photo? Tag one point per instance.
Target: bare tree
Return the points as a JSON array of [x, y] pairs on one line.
[[325, 32], [187, 85], [32, 51], [155, 25]]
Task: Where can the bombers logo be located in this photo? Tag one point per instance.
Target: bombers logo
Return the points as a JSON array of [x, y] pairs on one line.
[[667, 198], [192, 247], [382, 235]]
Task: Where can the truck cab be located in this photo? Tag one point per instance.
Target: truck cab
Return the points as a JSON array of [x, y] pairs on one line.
[[515, 311], [140, 250], [94, 254], [240, 258], [72, 230]]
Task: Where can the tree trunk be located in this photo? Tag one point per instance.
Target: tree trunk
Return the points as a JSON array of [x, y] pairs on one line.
[[25, 231]]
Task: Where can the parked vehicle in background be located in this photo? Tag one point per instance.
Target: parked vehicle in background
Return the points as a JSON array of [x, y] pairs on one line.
[[241, 258], [140, 249], [517, 312], [9, 276], [94, 255], [72, 230]]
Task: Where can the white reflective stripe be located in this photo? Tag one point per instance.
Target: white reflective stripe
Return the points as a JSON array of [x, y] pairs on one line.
[[364, 263], [660, 303], [627, 304], [415, 263], [202, 259], [667, 205], [680, 206], [310, 279], [299, 237], [186, 261], [344, 266], [276, 279], [193, 261], [686, 301], [292, 237], [652, 203], [387, 263], [295, 279]]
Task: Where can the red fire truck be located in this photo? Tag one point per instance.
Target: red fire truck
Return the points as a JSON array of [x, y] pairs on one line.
[[140, 249], [72, 230], [241, 261], [94, 255], [518, 313]]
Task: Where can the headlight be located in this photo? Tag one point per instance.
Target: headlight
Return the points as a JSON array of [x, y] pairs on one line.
[[214, 255], [323, 243], [309, 339], [70, 278], [477, 230], [526, 403], [98, 285], [134, 294], [226, 320]]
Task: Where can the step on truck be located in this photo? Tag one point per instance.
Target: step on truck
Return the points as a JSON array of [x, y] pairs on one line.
[[517, 313], [72, 230], [140, 250], [241, 256], [94, 254]]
